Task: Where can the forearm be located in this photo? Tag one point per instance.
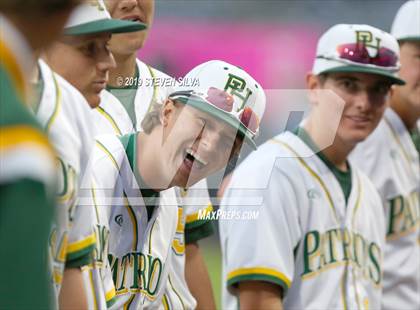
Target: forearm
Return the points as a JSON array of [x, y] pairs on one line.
[[254, 295], [197, 277], [73, 291]]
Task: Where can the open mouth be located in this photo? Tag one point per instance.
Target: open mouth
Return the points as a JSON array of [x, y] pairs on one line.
[[133, 18], [191, 157]]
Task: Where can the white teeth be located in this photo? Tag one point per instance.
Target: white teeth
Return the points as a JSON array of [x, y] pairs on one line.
[[196, 157]]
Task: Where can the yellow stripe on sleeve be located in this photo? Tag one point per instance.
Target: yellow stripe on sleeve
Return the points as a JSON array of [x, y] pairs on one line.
[[8, 61], [260, 271], [82, 244], [15, 136], [110, 294]]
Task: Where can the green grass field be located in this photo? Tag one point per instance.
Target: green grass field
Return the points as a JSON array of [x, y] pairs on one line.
[[211, 250]]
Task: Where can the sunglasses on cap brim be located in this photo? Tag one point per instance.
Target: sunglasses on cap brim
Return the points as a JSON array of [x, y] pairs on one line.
[[222, 101], [358, 53]]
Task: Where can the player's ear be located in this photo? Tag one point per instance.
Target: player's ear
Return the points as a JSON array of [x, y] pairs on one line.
[[392, 91], [312, 84], [167, 111]]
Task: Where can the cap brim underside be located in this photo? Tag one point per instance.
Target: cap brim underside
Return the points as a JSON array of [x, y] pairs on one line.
[[105, 25], [389, 75]]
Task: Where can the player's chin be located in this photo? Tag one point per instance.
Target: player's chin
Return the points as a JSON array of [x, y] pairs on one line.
[[128, 42], [355, 136], [94, 100], [93, 96]]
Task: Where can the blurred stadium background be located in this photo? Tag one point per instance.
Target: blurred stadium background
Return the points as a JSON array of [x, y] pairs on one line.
[[274, 41]]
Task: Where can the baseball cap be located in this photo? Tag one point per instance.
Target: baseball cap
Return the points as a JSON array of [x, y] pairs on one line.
[[226, 92], [406, 25], [358, 48], [92, 17]]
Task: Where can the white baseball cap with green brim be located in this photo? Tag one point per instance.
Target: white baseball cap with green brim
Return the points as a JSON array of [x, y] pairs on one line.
[[92, 17], [406, 25], [226, 92], [358, 48]]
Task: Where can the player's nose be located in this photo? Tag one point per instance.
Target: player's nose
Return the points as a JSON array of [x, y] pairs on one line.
[[106, 62], [127, 5], [362, 100]]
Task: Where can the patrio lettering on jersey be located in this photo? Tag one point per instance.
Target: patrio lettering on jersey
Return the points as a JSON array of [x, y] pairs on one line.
[[58, 251], [67, 187], [322, 251], [237, 85], [178, 244], [136, 272], [102, 238], [403, 216]]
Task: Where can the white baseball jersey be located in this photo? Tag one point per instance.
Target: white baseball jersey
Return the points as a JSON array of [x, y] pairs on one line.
[[65, 114], [390, 159], [140, 245], [323, 252], [112, 118]]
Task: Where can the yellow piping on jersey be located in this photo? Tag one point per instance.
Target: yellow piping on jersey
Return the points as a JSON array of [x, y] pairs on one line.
[[331, 205], [110, 119], [62, 249], [194, 217], [57, 105], [359, 195], [92, 286], [9, 62], [404, 233], [126, 203], [58, 277], [177, 294], [150, 236], [110, 295], [343, 290], [128, 303], [353, 219], [395, 136], [17, 136], [165, 302], [82, 244], [313, 173], [259, 270], [133, 222], [93, 185], [154, 96], [103, 148], [318, 272]]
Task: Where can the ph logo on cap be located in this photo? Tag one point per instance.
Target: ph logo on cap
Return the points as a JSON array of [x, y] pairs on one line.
[[358, 48]]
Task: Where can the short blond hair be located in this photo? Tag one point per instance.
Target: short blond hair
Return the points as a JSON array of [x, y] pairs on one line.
[[152, 118]]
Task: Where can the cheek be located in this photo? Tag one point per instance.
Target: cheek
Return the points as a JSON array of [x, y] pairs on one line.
[[221, 161], [410, 71], [148, 8], [111, 6], [378, 114]]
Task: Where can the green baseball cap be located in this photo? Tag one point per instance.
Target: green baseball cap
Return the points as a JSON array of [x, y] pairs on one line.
[[92, 17]]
